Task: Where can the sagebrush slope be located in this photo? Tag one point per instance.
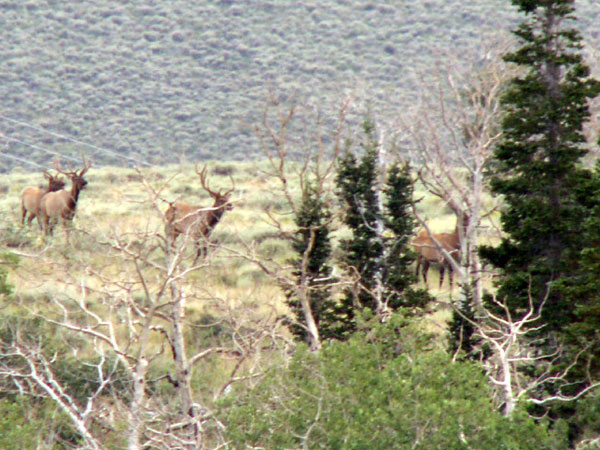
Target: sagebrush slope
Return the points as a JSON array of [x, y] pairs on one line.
[[157, 81]]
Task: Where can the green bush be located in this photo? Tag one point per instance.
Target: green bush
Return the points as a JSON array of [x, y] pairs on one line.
[[380, 390], [27, 423], [16, 431]]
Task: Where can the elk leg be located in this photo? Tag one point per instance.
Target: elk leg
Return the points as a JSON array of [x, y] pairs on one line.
[[23, 214], [171, 234], [425, 269], [200, 249], [67, 227], [198, 255], [418, 266], [451, 277], [442, 270], [47, 226]]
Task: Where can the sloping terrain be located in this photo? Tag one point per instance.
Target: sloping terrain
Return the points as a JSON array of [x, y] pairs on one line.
[[155, 81]]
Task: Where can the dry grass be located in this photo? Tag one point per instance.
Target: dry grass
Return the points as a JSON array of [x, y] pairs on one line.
[[117, 201], [130, 204]]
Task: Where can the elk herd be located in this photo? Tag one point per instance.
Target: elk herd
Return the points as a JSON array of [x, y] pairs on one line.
[[56, 204]]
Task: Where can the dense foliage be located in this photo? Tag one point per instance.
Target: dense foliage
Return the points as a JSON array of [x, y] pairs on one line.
[[377, 209], [385, 389], [537, 166], [27, 423]]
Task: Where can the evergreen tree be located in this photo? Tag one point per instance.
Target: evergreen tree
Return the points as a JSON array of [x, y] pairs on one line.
[[400, 225], [537, 166], [313, 248], [584, 291], [552, 211], [461, 326], [377, 253], [356, 181]]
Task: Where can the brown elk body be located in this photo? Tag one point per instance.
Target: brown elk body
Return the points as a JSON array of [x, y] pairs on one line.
[[32, 196], [429, 252], [61, 205], [197, 222]]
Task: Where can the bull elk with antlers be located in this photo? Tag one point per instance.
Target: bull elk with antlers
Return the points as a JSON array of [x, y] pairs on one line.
[[430, 250], [61, 205], [197, 222], [32, 196]]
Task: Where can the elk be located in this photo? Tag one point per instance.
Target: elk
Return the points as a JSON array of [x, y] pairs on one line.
[[197, 222], [430, 252], [61, 205], [32, 196]]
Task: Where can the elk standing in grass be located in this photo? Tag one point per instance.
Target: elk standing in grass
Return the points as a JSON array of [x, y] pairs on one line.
[[431, 251], [61, 205], [197, 222], [32, 196]]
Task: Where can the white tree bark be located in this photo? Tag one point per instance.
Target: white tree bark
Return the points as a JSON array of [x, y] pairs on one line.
[[453, 134], [125, 307], [317, 167]]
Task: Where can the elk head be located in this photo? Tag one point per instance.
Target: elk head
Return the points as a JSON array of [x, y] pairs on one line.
[[55, 182], [222, 203], [77, 181]]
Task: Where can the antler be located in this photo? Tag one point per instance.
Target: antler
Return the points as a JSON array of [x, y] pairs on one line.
[[72, 173], [202, 174], [59, 170], [232, 186], [86, 165]]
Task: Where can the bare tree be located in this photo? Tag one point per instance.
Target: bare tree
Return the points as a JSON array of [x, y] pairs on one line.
[[125, 313], [452, 132], [301, 146], [513, 346]]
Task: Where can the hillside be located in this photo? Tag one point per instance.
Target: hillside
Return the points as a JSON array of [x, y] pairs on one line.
[[157, 81]]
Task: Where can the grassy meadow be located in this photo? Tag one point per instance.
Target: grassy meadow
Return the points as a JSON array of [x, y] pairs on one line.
[[119, 222]]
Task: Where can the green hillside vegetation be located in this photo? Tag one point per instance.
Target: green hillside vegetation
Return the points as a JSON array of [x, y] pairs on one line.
[[301, 325], [229, 296], [155, 82]]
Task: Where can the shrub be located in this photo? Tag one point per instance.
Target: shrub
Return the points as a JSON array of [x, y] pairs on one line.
[[380, 390]]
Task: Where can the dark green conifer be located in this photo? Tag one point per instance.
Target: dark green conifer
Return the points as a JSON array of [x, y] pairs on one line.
[[537, 165], [399, 226], [357, 190], [312, 244], [377, 252], [461, 327], [551, 209]]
